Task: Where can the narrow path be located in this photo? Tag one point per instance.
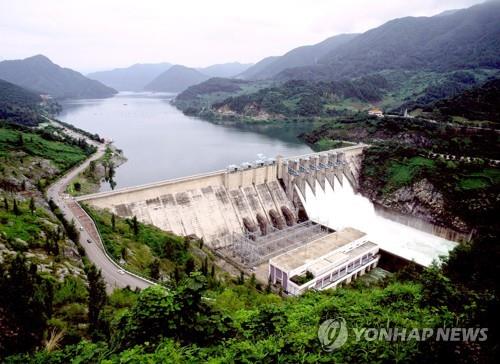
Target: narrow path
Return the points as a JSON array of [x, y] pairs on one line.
[[114, 275]]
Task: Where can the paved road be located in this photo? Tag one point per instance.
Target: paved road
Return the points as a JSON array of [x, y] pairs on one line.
[[113, 275], [454, 125]]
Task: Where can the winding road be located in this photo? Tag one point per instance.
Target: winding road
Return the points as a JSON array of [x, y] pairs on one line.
[[113, 274]]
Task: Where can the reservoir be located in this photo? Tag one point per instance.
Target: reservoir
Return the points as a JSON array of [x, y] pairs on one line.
[[160, 142]]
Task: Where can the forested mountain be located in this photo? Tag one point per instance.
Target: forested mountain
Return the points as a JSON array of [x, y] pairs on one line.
[[13, 94], [176, 79], [480, 103], [39, 74], [461, 39], [298, 57], [225, 69], [303, 98], [18, 105], [252, 72], [212, 85], [132, 78]]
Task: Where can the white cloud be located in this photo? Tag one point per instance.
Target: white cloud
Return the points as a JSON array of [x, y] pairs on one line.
[[92, 34]]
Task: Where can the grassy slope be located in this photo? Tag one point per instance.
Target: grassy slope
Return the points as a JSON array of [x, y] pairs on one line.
[[139, 251], [62, 155], [41, 157]]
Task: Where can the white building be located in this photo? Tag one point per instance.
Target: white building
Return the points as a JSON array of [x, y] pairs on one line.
[[324, 263], [376, 112]]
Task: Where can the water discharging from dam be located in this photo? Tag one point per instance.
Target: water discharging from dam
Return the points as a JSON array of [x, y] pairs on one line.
[[341, 207]]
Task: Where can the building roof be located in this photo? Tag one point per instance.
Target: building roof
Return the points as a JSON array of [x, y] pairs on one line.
[[317, 249]]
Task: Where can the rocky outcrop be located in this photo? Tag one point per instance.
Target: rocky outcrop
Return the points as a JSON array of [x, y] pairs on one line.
[[421, 200]]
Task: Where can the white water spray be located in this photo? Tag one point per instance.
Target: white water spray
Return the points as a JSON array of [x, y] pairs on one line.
[[341, 207]]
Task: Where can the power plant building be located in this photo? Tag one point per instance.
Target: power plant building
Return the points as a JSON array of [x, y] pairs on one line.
[[324, 263]]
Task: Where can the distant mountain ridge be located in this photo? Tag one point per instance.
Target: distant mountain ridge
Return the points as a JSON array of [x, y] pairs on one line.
[[225, 70], [133, 78], [458, 39], [253, 72], [140, 75], [298, 57], [39, 74], [176, 79]]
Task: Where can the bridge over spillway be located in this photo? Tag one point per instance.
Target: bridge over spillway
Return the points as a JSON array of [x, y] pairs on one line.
[[254, 198]]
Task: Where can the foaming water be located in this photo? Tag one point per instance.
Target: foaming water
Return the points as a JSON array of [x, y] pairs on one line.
[[341, 207]]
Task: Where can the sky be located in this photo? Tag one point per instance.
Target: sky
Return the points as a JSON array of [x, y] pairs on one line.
[[93, 35]]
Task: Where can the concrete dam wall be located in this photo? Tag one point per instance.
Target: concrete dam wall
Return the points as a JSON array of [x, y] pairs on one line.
[[252, 199]]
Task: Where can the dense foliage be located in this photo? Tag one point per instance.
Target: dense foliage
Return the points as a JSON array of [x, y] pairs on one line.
[[25, 305], [18, 105], [213, 85], [480, 103], [306, 98], [190, 322]]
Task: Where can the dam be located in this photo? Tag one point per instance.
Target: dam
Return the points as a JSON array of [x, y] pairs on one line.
[[257, 211]]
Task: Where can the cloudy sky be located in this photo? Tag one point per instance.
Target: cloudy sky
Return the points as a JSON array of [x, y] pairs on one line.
[[96, 34]]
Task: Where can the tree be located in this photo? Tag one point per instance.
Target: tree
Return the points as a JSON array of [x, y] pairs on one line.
[[269, 285], [135, 225], [190, 265], [152, 317], [15, 209], [123, 252], [72, 231], [25, 306], [78, 186], [5, 204], [96, 301], [241, 278], [177, 275], [55, 247], [32, 206], [204, 267], [111, 171], [113, 222], [92, 167], [154, 269], [40, 185], [253, 280]]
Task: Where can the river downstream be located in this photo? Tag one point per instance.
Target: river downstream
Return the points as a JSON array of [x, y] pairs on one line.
[[160, 142]]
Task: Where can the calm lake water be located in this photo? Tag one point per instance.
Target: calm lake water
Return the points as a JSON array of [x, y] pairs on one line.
[[162, 143]]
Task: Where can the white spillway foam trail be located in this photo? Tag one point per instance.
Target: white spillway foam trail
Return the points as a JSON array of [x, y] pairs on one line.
[[340, 207]]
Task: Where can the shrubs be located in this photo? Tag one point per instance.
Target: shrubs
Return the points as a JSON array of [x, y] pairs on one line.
[[300, 280]]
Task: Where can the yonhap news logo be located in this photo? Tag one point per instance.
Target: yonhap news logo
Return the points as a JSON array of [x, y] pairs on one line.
[[333, 334]]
